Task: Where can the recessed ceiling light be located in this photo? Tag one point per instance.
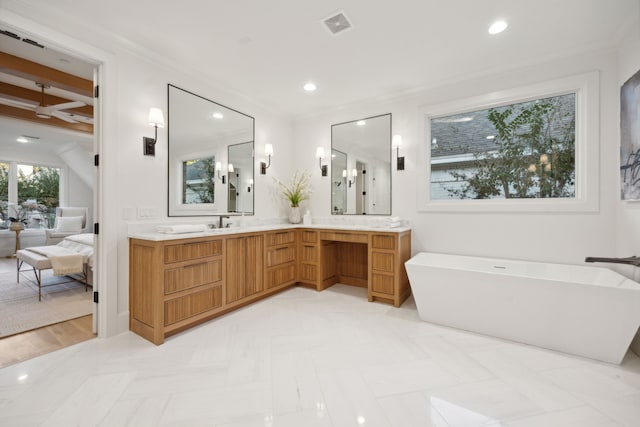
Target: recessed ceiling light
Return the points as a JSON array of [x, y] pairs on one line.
[[361, 122], [217, 115], [310, 87], [498, 27]]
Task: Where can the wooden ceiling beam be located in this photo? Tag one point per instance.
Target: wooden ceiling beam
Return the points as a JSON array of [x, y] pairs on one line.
[[19, 113], [29, 70], [21, 94]]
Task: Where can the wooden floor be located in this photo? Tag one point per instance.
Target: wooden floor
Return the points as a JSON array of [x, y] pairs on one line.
[[27, 345]]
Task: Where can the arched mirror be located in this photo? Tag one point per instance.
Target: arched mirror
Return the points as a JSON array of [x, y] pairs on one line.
[[361, 166], [210, 157]]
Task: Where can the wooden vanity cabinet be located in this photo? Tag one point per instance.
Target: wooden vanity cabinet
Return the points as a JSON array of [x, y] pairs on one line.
[[309, 258], [244, 270], [173, 285], [387, 275], [176, 284], [373, 260], [280, 259]]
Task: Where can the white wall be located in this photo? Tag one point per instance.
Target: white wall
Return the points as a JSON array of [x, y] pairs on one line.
[[628, 213], [554, 237]]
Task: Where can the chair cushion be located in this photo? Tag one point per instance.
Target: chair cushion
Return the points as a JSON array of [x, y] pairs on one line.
[[66, 224]]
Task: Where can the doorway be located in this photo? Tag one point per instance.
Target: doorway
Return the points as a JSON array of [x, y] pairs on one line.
[[48, 122]]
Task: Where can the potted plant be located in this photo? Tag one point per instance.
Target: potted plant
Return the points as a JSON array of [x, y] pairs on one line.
[[17, 217], [297, 191]]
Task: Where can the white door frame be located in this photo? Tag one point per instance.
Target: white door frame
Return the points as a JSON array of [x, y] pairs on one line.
[[106, 317]]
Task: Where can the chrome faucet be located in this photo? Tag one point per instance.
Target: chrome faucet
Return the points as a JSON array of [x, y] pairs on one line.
[[221, 221]]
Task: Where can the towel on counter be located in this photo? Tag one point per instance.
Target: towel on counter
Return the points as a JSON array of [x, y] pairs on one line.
[[63, 260], [392, 222], [181, 228]]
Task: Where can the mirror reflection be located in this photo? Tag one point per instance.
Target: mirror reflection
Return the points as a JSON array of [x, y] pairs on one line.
[[361, 166], [241, 179], [210, 168]]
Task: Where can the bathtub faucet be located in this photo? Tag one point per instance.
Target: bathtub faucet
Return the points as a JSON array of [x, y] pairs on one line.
[[632, 260]]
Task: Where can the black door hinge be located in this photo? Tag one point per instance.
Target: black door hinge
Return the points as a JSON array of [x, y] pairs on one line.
[[96, 228], [96, 91], [96, 160], [95, 297]]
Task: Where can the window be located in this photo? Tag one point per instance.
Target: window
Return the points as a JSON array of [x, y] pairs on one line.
[[36, 194], [199, 180], [527, 149], [522, 150], [4, 192]]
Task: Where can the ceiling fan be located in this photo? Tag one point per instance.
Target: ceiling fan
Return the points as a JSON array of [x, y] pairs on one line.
[[47, 111]]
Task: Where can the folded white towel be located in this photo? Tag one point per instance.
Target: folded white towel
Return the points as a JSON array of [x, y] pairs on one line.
[[391, 219], [181, 228], [394, 224]]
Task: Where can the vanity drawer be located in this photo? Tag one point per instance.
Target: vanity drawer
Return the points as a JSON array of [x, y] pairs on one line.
[[382, 283], [383, 241], [185, 251], [309, 253], [190, 276], [382, 261], [281, 238], [338, 236], [182, 308], [280, 255], [309, 236], [308, 273], [280, 276]]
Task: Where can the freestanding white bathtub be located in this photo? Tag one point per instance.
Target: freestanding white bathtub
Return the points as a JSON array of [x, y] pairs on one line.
[[587, 311]]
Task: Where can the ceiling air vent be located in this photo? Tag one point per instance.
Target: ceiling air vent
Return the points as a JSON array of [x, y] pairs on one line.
[[337, 23]]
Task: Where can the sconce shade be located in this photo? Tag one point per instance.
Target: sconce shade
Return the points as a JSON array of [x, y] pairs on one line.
[[396, 142], [218, 166], [354, 173], [156, 118], [320, 152], [344, 173], [268, 151], [231, 167]]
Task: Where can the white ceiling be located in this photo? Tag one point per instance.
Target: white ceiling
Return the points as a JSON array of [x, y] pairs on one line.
[[267, 50]]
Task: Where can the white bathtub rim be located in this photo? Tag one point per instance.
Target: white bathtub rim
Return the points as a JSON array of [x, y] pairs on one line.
[[620, 282]]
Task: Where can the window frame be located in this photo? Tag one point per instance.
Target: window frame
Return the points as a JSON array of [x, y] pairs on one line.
[[587, 137]]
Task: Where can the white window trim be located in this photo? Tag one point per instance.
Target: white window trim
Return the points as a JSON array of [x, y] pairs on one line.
[[587, 90]]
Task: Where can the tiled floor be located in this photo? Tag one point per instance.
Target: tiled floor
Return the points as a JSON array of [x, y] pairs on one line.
[[304, 358]]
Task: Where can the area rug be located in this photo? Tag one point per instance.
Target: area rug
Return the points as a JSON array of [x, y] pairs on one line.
[[20, 310]]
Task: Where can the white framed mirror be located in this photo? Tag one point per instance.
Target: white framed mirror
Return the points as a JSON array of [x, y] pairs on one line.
[[361, 166], [210, 147]]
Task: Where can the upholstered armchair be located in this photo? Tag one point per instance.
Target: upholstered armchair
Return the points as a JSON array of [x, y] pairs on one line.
[[69, 221]]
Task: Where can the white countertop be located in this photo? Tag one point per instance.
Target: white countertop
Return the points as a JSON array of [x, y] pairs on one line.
[[155, 236]]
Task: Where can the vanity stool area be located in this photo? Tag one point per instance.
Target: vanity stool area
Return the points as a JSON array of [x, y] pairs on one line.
[[179, 281]]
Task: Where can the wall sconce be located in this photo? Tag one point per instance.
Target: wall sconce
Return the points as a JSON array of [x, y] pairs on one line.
[[354, 175], [156, 119], [320, 156], [268, 151], [250, 186], [396, 142], [219, 168]]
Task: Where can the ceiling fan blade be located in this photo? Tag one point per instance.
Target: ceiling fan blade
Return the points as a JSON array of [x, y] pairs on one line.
[[62, 116], [17, 104], [66, 106], [82, 119]]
